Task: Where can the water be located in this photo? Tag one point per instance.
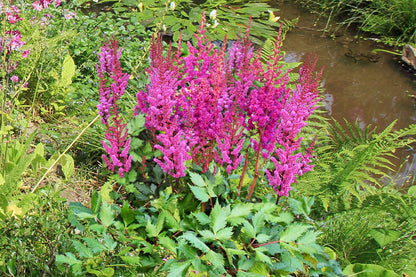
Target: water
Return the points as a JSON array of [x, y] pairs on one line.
[[356, 87]]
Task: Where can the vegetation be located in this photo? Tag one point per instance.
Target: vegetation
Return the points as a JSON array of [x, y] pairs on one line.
[[159, 148], [392, 20]]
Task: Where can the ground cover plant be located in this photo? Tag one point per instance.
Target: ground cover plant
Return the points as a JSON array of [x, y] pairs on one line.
[[215, 158]]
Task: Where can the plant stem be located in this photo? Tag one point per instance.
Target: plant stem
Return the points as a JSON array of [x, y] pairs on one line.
[[66, 150], [244, 170]]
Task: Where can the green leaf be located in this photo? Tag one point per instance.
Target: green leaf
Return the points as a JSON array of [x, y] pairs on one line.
[[151, 229], [260, 269], [131, 260], [178, 269], [225, 234], [106, 214], [368, 270], [196, 242], [207, 235], [94, 245], [197, 179], [68, 166], [248, 229], [218, 217], [239, 214], [261, 257], [384, 236], [216, 260], [68, 258], [83, 251], [258, 221], [95, 202], [293, 232], [127, 214], [168, 243], [200, 193], [68, 71], [202, 218]]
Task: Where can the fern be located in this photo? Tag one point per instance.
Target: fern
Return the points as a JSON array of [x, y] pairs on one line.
[[350, 163]]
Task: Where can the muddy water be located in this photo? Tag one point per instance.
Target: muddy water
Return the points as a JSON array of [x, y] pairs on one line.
[[358, 85]]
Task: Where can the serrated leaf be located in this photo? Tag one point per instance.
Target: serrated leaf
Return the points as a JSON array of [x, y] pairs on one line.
[[168, 243], [131, 260], [258, 221], [109, 243], [217, 260], [68, 258], [202, 218], [261, 257], [83, 251], [200, 193], [218, 217], [178, 269], [197, 179], [151, 229], [284, 217], [94, 245], [293, 232], [239, 214], [127, 214], [196, 242], [225, 234], [368, 270], [249, 230], [106, 214], [207, 235], [262, 238]]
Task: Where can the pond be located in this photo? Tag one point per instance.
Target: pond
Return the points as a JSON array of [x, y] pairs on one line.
[[358, 85]]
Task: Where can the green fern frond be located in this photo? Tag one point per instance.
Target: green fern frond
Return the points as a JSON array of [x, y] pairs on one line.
[[350, 163]]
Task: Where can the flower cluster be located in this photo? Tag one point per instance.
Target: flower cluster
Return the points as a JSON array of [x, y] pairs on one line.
[[11, 42], [112, 86], [204, 106], [43, 4]]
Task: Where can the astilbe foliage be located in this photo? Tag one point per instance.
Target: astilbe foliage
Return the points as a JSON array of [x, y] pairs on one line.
[[112, 86], [204, 106]]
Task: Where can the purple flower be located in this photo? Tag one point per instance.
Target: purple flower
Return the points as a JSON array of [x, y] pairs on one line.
[[14, 79], [112, 86], [26, 53]]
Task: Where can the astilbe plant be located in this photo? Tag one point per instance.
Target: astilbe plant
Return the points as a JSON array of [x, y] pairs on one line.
[[112, 86], [204, 106]]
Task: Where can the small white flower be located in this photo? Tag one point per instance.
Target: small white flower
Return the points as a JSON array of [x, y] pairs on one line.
[[213, 14], [172, 6], [140, 6], [215, 24]]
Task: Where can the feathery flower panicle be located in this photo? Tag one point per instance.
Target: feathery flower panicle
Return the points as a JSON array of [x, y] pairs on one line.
[[113, 83], [204, 106]]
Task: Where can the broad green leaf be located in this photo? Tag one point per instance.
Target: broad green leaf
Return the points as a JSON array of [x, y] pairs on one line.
[[293, 232], [68, 258], [218, 217], [127, 214], [168, 243], [207, 235], [261, 257], [225, 234], [239, 214], [94, 245], [131, 260], [68, 166], [384, 236], [368, 270], [109, 243], [196, 242], [106, 214], [200, 193], [178, 269], [262, 238], [197, 179], [258, 221], [68, 71], [248, 229], [216, 260], [202, 218], [260, 269], [83, 251], [151, 229]]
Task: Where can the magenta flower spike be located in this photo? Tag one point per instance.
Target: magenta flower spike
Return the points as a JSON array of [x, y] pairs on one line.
[[113, 83]]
